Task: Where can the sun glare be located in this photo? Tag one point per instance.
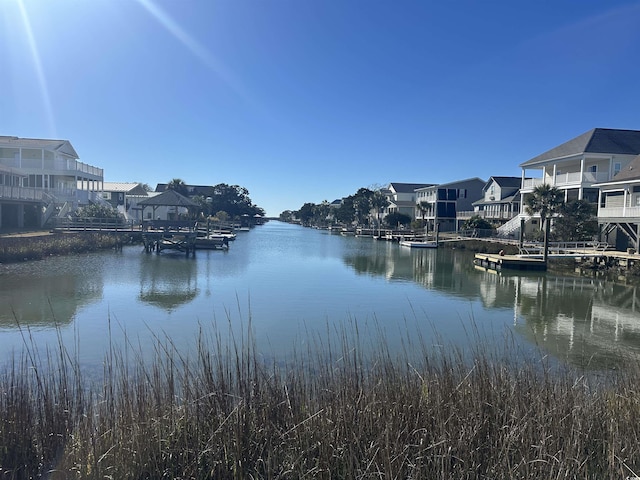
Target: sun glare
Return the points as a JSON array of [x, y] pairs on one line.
[[42, 81]]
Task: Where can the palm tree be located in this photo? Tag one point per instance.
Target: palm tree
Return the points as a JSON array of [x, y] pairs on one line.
[[545, 201], [179, 186], [424, 208]]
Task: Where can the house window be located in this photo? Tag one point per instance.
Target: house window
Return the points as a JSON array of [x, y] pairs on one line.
[[462, 193], [593, 169], [616, 168]]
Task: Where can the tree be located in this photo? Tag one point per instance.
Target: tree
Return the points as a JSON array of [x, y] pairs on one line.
[[346, 214], [306, 212], [396, 218], [379, 201], [234, 200], [179, 186], [477, 223], [362, 202], [95, 210], [545, 201], [578, 221], [423, 207]]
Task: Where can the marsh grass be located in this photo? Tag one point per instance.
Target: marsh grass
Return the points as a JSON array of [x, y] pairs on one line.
[[18, 249], [332, 412]]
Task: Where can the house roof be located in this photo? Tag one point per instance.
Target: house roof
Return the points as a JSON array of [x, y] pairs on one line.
[[169, 198], [203, 190], [126, 187], [597, 140], [63, 146], [506, 182], [407, 187], [630, 174], [510, 199], [454, 183]]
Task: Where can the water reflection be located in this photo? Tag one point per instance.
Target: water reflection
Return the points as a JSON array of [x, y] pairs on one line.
[[45, 300], [168, 281], [585, 321]]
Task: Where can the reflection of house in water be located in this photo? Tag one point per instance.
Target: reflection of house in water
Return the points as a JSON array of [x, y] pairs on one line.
[[168, 281], [580, 320], [46, 301]]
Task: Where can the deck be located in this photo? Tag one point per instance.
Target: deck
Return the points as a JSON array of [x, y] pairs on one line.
[[497, 262]]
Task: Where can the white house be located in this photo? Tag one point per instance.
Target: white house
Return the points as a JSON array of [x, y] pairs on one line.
[[39, 178], [619, 207], [577, 167]]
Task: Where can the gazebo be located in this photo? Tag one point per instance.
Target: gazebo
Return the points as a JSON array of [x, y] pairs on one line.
[[168, 198]]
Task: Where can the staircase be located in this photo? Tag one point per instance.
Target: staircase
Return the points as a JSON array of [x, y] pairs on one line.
[[512, 227]]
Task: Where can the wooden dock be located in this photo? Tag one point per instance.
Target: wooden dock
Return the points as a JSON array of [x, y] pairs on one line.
[[497, 262]]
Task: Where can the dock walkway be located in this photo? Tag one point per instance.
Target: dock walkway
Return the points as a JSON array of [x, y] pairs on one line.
[[498, 262]]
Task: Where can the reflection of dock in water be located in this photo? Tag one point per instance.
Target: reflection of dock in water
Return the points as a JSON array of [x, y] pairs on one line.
[[168, 282]]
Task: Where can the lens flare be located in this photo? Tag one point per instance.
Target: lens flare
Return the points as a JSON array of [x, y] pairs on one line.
[[42, 81]]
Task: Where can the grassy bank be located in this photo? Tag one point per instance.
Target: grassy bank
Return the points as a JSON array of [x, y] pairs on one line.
[[23, 248], [225, 413]]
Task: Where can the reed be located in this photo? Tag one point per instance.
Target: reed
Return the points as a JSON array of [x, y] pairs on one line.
[[18, 249], [336, 410]]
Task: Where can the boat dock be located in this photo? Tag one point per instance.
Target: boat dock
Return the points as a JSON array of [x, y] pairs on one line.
[[492, 261], [162, 235]]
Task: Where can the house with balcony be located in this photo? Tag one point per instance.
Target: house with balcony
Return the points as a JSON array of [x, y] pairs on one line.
[[40, 178], [438, 205], [576, 167], [500, 201], [619, 208], [402, 198]]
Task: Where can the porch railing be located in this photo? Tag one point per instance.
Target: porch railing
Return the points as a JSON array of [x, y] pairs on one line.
[[619, 212]]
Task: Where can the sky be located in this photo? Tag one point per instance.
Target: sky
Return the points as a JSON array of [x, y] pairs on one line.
[[309, 100]]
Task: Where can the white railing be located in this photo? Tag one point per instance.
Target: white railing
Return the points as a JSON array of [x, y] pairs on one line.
[[532, 182], [465, 214], [619, 212], [59, 165], [569, 178], [21, 193]]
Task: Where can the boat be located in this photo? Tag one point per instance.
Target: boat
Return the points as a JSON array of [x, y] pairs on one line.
[[419, 243], [212, 242]]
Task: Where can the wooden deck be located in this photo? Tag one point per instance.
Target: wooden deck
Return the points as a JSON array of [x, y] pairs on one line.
[[497, 262]]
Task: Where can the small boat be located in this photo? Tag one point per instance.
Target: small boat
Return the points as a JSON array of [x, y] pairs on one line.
[[212, 242], [419, 244]]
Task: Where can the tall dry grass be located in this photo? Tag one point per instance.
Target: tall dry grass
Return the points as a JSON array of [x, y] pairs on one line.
[[333, 412]]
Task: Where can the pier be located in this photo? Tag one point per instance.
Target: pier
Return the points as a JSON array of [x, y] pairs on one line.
[[497, 262]]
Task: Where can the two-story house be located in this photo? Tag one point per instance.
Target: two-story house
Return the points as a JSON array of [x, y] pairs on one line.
[[500, 201], [438, 204], [402, 198], [39, 178], [577, 167], [619, 207]]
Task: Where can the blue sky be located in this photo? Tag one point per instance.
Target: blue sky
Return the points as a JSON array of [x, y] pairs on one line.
[[309, 100]]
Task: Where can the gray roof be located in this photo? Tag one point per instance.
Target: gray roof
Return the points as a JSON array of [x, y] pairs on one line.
[[631, 172], [407, 187], [169, 198], [509, 199], [597, 140], [513, 182]]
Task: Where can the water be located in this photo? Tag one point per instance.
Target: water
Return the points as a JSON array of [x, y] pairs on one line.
[[293, 287]]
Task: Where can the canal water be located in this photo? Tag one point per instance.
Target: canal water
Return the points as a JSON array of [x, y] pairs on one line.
[[291, 289]]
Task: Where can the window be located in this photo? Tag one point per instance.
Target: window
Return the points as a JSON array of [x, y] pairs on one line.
[[593, 169], [616, 168]]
